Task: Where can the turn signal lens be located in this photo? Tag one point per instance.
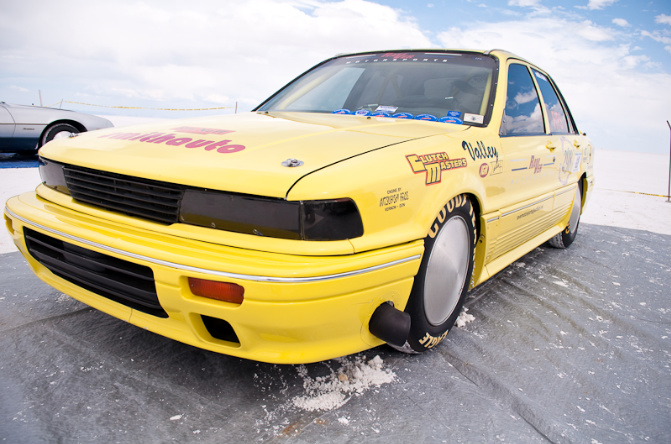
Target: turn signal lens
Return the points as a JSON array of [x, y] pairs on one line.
[[221, 291]]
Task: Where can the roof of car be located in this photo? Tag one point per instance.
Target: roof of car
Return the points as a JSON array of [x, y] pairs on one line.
[[499, 53]]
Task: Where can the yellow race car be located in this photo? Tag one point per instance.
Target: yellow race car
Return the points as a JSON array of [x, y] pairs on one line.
[[356, 206]]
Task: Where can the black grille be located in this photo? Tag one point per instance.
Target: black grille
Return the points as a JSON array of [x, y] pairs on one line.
[[116, 279], [144, 198]]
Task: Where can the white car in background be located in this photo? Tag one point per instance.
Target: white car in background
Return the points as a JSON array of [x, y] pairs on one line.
[[24, 129]]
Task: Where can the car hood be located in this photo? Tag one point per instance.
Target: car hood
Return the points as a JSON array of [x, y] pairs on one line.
[[245, 153]]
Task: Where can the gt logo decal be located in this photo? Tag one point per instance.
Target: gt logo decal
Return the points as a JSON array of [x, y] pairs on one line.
[[434, 164], [484, 170]]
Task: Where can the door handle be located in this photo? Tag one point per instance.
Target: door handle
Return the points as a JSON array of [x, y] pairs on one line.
[[551, 146], [576, 144]]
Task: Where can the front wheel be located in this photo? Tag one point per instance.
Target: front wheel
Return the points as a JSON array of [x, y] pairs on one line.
[[444, 275], [58, 131]]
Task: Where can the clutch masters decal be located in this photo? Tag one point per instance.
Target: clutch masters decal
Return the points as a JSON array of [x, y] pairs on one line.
[[433, 164]]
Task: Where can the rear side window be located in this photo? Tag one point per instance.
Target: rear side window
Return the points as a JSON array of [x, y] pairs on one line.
[[556, 114], [523, 115]]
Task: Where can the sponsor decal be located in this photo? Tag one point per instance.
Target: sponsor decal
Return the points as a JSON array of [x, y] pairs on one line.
[[433, 165], [171, 139], [397, 56], [403, 116], [568, 162], [474, 118], [429, 117], [496, 167], [576, 162], [381, 114], [530, 212], [394, 199], [386, 109], [535, 164], [448, 119], [480, 151], [342, 111], [362, 112], [484, 169]]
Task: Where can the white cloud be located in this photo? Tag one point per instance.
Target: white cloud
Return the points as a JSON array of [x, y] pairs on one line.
[[206, 53], [174, 51], [605, 84], [534, 5], [621, 22], [663, 19], [524, 3], [599, 4], [18, 88], [658, 37], [590, 31]]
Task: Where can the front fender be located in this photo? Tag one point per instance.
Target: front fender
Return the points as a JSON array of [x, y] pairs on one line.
[[400, 189]]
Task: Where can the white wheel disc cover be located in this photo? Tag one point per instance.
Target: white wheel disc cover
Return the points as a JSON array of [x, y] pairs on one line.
[[446, 270]]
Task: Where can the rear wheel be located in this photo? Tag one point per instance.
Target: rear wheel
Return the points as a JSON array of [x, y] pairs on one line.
[[567, 236], [444, 275]]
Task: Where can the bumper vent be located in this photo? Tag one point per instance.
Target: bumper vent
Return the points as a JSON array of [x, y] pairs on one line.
[[144, 198], [121, 281]]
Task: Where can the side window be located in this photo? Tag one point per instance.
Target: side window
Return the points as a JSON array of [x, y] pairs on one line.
[[523, 115], [556, 114]]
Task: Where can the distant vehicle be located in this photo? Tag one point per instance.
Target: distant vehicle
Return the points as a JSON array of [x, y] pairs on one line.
[[355, 206], [24, 129]]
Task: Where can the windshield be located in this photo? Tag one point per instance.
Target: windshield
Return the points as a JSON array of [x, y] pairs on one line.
[[446, 87]]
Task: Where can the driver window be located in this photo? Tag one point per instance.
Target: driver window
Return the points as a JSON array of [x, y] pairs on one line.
[[523, 115]]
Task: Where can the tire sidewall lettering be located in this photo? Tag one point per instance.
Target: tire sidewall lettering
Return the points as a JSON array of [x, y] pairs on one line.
[[423, 335]]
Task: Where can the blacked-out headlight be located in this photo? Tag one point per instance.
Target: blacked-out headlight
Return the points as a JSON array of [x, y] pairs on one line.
[[318, 220], [52, 175]]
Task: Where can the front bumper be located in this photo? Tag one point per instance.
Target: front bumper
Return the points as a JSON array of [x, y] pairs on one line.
[[297, 308]]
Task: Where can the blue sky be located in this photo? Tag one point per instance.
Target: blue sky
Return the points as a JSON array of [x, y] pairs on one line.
[[610, 58]]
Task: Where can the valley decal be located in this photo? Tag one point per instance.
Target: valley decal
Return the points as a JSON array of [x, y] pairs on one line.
[[480, 151]]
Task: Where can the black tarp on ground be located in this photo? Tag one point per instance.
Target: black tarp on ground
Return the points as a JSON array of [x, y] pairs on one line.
[[567, 346]]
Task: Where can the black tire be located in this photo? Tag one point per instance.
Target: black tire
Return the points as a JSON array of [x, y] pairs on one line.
[[57, 130], [444, 276], [567, 236]]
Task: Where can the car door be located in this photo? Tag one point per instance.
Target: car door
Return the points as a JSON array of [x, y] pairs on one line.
[[569, 145], [530, 161], [7, 127]]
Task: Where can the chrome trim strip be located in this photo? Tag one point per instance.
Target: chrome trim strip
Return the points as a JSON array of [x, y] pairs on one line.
[[225, 274], [492, 219], [527, 206]]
